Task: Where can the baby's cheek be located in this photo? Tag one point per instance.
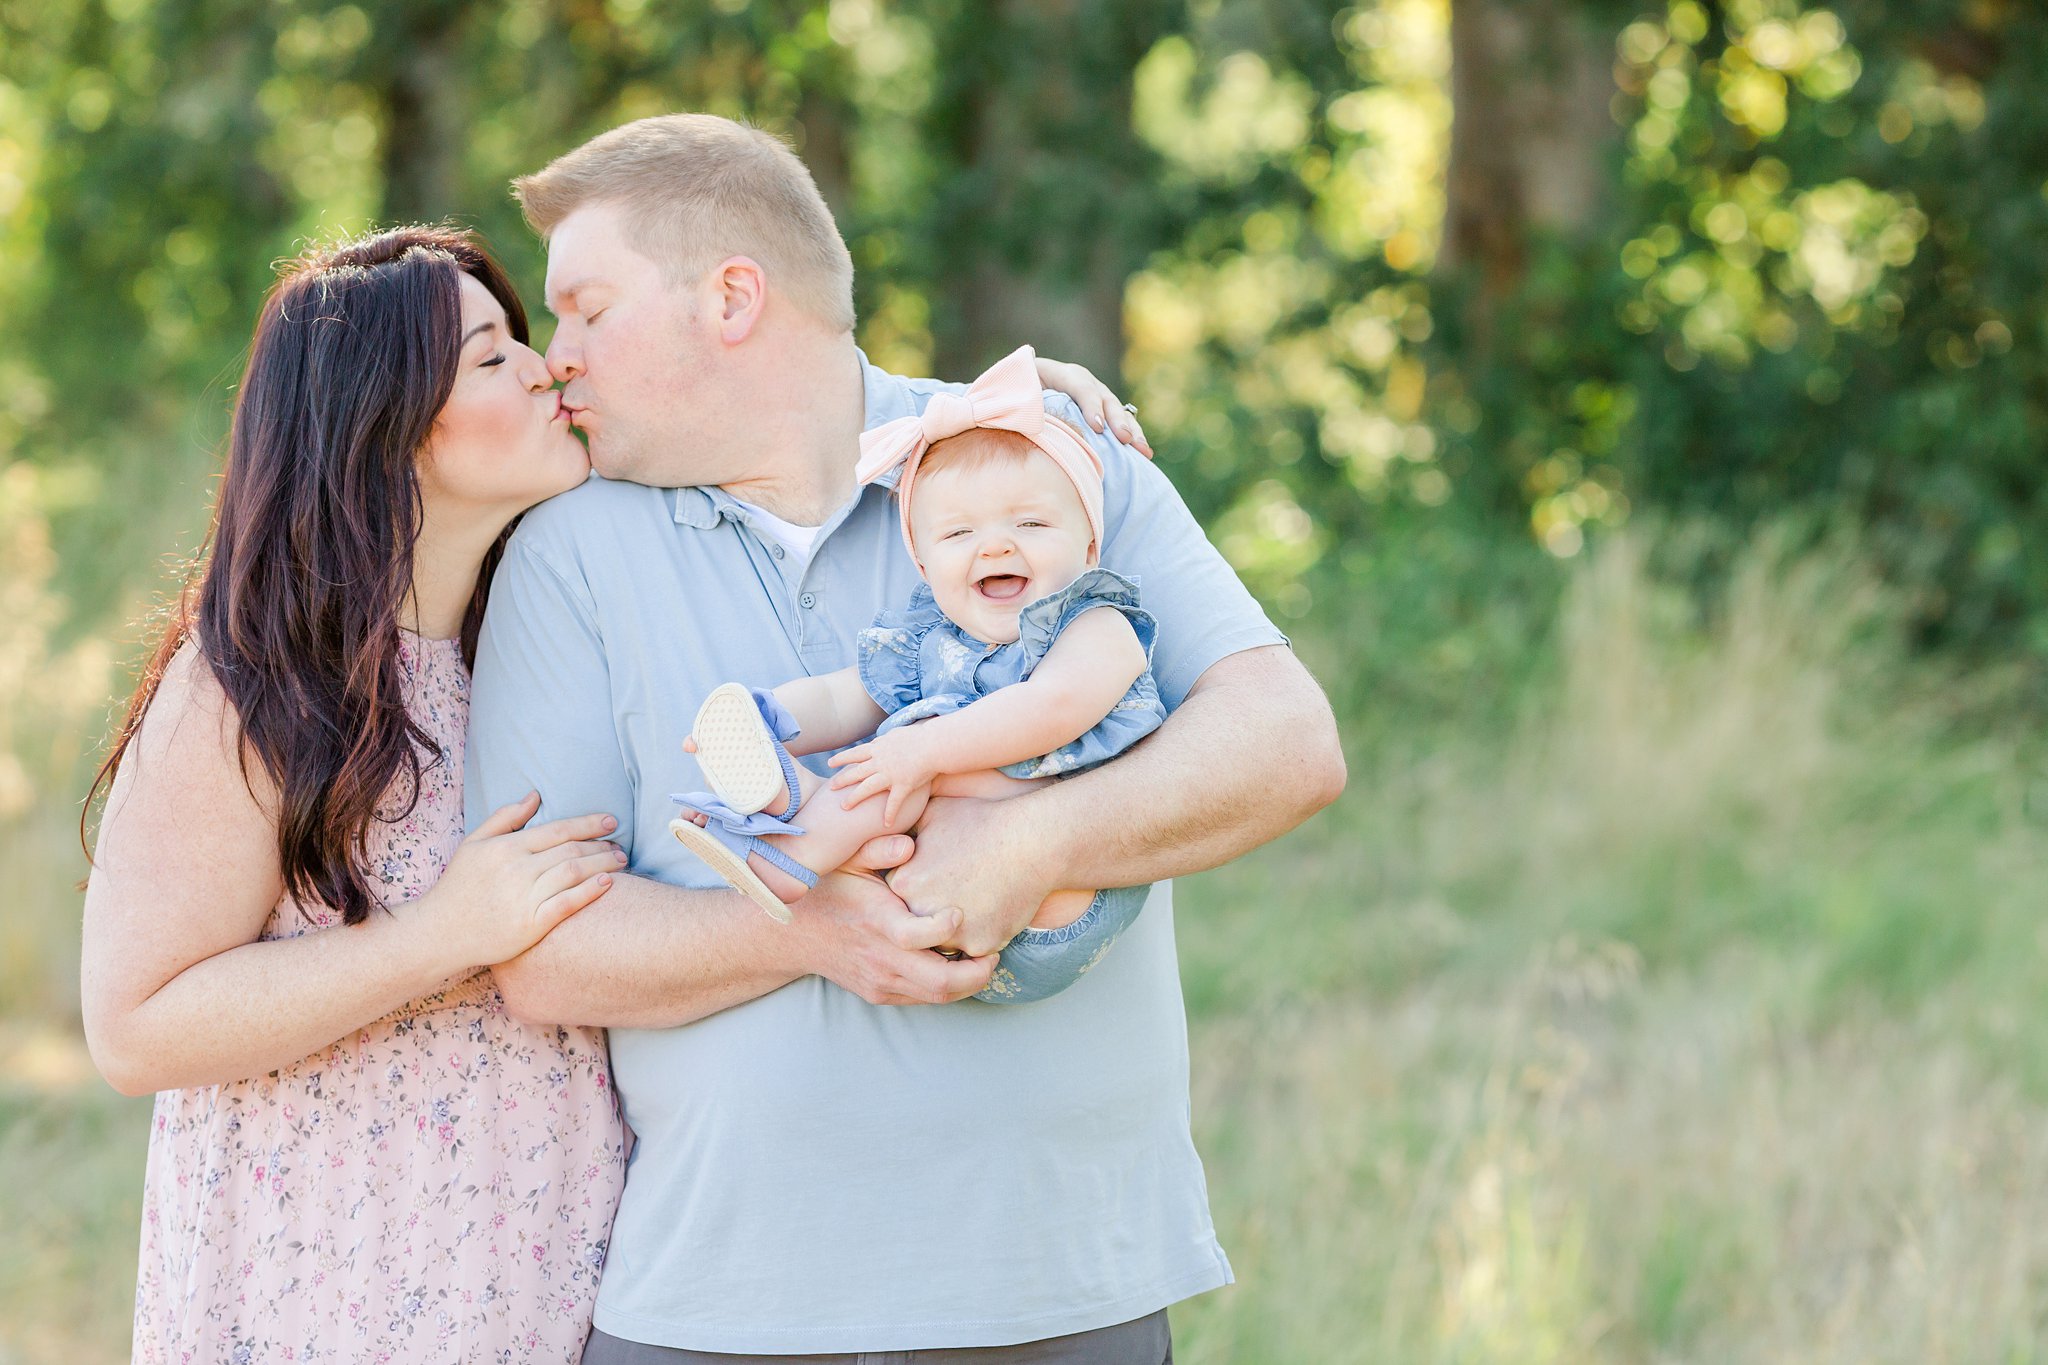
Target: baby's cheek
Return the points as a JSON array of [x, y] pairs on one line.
[[954, 599]]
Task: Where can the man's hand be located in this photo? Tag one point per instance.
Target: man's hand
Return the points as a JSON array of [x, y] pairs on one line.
[[973, 859], [864, 939]]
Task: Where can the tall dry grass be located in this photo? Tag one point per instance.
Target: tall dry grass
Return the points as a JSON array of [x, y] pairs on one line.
[[1686, 1016]]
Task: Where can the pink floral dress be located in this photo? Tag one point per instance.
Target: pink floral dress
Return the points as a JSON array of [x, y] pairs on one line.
[[437, 1186]]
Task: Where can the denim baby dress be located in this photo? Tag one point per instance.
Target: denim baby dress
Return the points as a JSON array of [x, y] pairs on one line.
[[917, 664]]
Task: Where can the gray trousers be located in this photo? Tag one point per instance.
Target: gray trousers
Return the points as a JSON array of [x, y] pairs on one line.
[[1144, 1341]]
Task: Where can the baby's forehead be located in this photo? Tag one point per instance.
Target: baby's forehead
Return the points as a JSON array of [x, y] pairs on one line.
[[981, 485], [1030, 469]]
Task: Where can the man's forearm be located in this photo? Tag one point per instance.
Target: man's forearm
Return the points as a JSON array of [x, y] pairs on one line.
[[1248, 755], [650, 955]]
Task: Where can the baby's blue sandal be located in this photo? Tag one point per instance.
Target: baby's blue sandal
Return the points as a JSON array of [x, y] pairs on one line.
[[739, 732], [731, 838]]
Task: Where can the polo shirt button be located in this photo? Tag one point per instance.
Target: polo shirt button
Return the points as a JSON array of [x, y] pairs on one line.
[[807, 601], [775, 550]]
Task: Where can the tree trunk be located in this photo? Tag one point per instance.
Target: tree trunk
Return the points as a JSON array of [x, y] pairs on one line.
[[826, 117], [1039, 220], [1530, 127], [1063, 295], [425, 116]]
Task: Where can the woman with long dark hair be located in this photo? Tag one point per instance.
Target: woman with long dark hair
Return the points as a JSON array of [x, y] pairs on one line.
[[357, 1154]]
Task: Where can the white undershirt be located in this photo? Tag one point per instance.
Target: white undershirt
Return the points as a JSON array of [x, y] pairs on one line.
[[797, 540]]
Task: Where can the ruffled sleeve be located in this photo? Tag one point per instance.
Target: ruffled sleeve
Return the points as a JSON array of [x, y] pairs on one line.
[[890, 651], [1041, 623]]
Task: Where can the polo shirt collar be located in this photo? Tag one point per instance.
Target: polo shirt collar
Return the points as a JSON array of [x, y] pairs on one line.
[[696, 507]]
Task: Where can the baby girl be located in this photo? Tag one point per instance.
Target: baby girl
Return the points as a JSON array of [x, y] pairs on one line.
[[1018, 659]]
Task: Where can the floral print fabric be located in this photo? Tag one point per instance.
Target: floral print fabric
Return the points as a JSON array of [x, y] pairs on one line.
[[436, 1187]]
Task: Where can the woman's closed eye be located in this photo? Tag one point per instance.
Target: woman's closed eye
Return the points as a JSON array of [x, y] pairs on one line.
[[494, 360]]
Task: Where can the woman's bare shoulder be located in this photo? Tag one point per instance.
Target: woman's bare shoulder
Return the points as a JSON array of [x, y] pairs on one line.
[[191, 738]]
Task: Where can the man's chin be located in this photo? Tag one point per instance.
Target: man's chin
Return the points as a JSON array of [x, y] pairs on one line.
[[606, 459]]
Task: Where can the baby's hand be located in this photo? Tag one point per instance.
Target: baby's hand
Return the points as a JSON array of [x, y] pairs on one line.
[[895, 763]]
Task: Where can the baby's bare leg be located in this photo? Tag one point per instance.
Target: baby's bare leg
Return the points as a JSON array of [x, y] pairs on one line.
[[808, 785], [1062, 908], [1059, 909], [831, 834]]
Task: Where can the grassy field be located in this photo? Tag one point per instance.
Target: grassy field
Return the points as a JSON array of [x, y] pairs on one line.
[[1664, 989]]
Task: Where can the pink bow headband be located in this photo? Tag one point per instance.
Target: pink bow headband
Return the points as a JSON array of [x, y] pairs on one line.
[[1007, 397]]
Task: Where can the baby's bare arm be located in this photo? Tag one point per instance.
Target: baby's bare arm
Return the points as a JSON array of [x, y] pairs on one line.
[[833, 710], [1084, 675]]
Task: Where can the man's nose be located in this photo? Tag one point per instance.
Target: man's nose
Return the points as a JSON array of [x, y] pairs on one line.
[[565, 361]]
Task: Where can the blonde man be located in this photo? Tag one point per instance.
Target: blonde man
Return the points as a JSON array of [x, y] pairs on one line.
[[821, 1172]]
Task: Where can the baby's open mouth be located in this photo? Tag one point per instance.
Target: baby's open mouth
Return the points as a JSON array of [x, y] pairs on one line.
[[1002, 587]]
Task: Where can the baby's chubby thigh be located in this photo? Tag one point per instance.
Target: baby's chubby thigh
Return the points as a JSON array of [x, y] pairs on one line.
[[1062, 908]]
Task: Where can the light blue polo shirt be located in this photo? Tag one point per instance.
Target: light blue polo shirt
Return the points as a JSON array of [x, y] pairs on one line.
[[816, 1174]]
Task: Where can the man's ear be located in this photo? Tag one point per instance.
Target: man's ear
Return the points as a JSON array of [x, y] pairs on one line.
[[739, 289]]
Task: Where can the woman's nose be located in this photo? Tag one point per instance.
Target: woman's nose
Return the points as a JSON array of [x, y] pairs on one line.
[[535, 368]]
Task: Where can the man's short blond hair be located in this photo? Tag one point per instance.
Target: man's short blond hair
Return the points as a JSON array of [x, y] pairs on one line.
[[696, 189]]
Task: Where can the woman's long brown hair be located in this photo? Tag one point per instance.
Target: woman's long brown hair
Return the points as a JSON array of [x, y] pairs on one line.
[[296, 608]]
